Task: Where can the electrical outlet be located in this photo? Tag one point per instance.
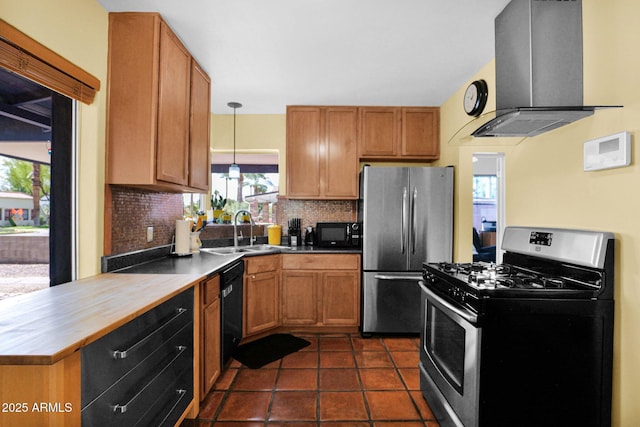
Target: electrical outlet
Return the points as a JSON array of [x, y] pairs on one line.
[[149, 234]]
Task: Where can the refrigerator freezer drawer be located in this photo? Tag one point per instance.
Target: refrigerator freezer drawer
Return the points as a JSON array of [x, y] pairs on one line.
[[391, 303]]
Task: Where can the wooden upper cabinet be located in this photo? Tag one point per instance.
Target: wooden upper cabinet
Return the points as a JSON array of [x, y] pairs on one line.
[[322, 159], [379, 131], [399, 133], [150, 109], [199, 147], [173, 109], [420, 132], [341, 153], [303, 152]]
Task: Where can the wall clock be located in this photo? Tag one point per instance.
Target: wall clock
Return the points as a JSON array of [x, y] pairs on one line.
[[475, 98]]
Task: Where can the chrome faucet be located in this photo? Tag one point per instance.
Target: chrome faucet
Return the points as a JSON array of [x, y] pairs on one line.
[[235, 227]]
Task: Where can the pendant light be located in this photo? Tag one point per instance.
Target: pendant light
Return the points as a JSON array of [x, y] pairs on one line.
[[234, 169]]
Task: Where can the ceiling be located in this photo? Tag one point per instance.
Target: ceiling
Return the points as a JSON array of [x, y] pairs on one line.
[[25, 118], [269, 54]]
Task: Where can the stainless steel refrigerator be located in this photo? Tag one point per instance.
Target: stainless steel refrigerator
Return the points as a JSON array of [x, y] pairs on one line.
[[407, 219]]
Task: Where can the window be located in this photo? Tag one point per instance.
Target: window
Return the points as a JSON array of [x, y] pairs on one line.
[[485, 187], [256, 190]]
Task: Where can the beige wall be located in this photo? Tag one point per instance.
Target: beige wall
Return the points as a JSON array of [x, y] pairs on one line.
[[255, 133], [77, 30], [546, 186]]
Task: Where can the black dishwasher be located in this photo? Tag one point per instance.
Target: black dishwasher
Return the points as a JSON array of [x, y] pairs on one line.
[[231, 312]]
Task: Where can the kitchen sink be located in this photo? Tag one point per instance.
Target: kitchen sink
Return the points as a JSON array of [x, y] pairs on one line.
[[229, 250]]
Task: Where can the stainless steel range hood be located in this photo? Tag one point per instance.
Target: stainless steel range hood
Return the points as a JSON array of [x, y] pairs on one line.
[[539, 85]]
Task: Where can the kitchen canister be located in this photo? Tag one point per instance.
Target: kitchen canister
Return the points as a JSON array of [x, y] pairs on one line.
[[274, 233], [195, 242], [183, 236]]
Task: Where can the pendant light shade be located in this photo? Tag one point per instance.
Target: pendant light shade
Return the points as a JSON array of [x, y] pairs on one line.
[[234, 169]]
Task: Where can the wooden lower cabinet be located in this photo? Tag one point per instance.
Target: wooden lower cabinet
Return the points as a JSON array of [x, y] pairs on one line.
[[299, 298], [320, 290], [341, 298], [261, 294], [26, 391], [261, 307], [210, 366]]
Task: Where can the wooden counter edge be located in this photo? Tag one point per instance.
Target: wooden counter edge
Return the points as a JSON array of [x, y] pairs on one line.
[[190, 280]]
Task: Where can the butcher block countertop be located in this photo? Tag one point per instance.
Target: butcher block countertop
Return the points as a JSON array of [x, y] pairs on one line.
[[43, 327]]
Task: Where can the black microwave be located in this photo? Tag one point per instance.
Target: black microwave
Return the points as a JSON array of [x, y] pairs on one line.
[[339, 234]]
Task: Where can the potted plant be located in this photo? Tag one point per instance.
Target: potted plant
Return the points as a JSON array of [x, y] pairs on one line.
[[217, 204]]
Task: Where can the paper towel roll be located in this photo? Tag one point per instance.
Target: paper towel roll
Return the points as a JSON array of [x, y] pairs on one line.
[[183, 237]]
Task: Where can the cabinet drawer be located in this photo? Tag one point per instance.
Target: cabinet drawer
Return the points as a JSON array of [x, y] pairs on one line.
[[320, 262], [146, 392], [211, 290], [112, 356], [260, 264]]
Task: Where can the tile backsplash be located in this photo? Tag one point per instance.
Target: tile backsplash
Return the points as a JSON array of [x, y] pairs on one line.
[[133, 210], [314, 211]]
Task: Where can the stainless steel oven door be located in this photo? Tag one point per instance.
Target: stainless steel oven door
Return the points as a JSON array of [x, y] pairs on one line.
[[450, 360]]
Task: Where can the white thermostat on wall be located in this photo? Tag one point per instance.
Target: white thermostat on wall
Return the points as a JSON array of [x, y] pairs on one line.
[[613, 151]]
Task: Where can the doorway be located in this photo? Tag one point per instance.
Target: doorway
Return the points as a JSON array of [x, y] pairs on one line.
[[488, 206], [38, 126]]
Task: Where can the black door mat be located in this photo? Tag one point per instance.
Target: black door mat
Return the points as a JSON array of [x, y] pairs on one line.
[[261, 352]]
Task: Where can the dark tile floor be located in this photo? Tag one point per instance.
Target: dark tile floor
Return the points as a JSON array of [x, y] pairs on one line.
[[337, 381]]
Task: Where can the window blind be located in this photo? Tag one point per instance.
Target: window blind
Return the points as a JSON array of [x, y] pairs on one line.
[[23, 55]]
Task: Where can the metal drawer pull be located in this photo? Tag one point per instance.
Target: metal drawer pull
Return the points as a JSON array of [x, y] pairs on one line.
[[123, 354], [123, 408], [181, 393]]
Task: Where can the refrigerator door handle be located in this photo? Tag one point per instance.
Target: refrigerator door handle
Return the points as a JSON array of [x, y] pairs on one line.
[[404, 220], [413, 219]]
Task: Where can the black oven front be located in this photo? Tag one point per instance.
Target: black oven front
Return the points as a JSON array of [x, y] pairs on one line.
[[450, 342]]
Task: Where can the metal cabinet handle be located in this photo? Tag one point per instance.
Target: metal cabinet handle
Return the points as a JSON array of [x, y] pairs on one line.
[[121, 409], [123, 354]]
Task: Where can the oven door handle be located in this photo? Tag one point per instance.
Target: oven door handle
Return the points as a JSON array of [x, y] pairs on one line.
[[397, 277], [469, 317]]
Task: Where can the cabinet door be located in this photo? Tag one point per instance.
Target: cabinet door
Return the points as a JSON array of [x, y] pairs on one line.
[[262, 302], [421, 132], [341, 154], [210, 335], [341, 298], [173, 109], [199, 163], [299, 298], [303, 152], [379, 131], [211, 343], [132, 98]]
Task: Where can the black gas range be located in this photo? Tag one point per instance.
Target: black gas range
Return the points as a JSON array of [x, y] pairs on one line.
[[526, 342]]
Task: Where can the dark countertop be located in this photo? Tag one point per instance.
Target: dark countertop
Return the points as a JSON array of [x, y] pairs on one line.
[[205, 263], [201, 263]]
